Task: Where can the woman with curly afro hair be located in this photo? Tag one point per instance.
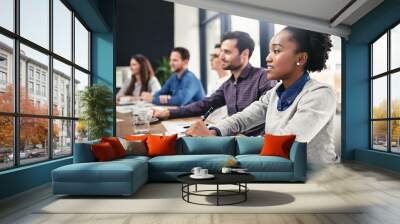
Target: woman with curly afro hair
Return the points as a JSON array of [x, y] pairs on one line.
[[298, 105]]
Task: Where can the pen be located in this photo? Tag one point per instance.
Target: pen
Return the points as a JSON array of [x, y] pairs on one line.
[[208, 113]]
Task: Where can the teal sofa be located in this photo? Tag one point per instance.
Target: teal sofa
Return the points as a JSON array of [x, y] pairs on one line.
[[125, 176]]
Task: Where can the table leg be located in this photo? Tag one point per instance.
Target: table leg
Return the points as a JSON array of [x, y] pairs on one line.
[[217, 194], [196, 188]]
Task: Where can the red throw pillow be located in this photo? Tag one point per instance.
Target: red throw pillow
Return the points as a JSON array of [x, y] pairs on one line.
[[116, 145], [103, 151], [277, 145], [158, 145]]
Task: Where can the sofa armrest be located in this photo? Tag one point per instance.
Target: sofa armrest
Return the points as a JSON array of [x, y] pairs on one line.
[[298, 155], [83, 152]]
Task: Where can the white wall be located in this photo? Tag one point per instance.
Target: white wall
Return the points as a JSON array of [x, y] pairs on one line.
[[187, 34]]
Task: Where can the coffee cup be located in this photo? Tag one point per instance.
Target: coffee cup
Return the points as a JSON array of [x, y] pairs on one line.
[[196, 171], [203, 172], [226, 170]]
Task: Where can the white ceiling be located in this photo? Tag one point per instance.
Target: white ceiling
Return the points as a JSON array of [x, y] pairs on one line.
[[318, 15]]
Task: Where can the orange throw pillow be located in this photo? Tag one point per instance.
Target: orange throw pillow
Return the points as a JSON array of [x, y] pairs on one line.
[[103, 152], [161, 145], [116, 145], [136, 137], [277, 145]]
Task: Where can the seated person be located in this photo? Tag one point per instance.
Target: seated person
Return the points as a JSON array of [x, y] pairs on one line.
[[246, 84], [142, 83], [298, 105], [182, 87], [223, 76]]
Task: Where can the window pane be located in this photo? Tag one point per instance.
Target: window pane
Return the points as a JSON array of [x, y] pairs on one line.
[[62, 89], [395, 94], [33, 139], [379, 98], [7, 14], [395, 47], [213, 36], [62, 29], [6, 74], [379, 135], [395, 138], [379, 55], [62, 141], [81, 132], [81, 45], [6, 142], [34, 81], [35, 21], [81, 81], [252, 27]]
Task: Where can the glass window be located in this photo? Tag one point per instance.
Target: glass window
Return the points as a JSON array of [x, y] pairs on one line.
[[81, 81], [6, 142], [395, 136], [62, 141], [395, 47], [81, 45], [379, 56], [7, 74], [40, 62], [7, 14], [35, 21], [62, 71], [62, 29], [252, 27], [81, 131], [379, 98], [33, 140], [395, 95], [379, 135]]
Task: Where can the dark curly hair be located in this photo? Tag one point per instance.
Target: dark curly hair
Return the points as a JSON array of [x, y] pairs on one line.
[[317, 45]]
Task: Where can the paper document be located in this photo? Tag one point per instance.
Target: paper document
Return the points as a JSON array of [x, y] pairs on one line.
[[176, 127]]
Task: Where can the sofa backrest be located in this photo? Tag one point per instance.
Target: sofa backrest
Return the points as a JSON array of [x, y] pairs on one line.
[[249, 145], [83, 152], [206, 145]]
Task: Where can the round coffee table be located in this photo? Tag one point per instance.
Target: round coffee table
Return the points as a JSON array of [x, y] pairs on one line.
[[238, 179]]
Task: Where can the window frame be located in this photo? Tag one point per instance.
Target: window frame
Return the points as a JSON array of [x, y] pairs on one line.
[[388, 74], [16, 114]]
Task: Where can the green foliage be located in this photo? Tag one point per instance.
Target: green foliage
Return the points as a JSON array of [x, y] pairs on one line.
[[163, 71], [96, 102]]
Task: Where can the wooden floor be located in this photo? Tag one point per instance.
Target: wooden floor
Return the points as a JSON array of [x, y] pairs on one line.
[[378, 188]]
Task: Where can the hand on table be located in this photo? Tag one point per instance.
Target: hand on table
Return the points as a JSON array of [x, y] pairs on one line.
[[164, 99], [199, 128], [146, 96], [163, 114]]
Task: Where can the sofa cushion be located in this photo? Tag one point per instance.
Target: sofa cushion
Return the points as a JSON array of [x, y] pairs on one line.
[[112, 171], [160, 145], [257, 163], [249, 145], [116, 145], [134, 147], [185, 163], [206, 145], [103, 152], [275, 145]]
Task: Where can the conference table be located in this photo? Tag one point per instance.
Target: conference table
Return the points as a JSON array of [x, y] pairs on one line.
[[125, 126]]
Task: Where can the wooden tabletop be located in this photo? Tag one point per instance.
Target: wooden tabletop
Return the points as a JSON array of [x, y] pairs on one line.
[[125, 127]]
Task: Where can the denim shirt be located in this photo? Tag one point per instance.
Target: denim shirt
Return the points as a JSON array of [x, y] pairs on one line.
[[287, 96]]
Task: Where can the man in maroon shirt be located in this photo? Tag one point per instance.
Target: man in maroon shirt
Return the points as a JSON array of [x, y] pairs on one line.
[[245, 86]]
